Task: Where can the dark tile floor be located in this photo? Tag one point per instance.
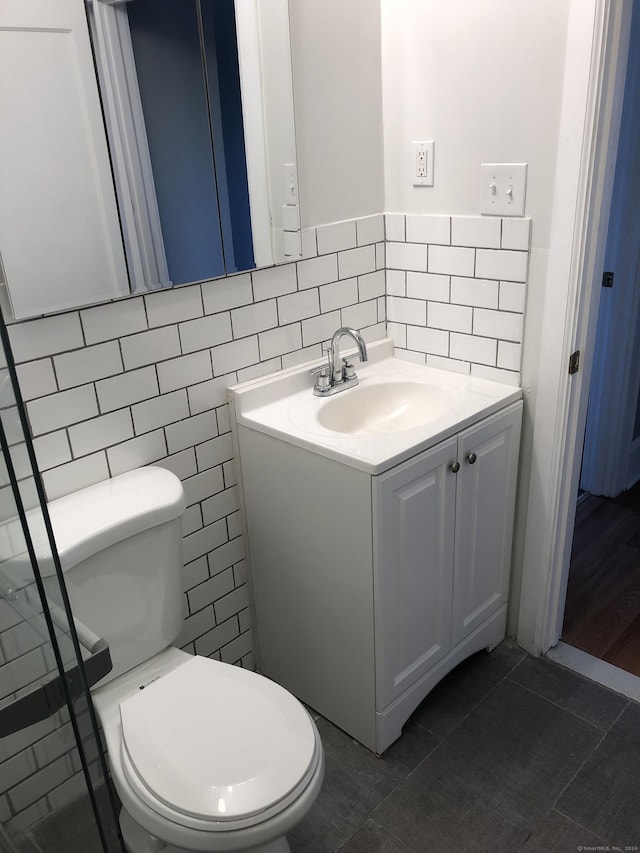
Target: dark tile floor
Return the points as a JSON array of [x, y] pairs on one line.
[[508, 753], [70, 829]]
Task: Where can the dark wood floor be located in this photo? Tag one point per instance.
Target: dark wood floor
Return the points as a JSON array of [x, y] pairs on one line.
[[602, 615]]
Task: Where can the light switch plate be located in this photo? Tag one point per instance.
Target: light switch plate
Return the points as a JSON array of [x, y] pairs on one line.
[[503, 188]]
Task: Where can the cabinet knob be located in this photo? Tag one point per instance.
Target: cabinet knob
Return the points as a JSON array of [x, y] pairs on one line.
[[455, 467], [471, 458]]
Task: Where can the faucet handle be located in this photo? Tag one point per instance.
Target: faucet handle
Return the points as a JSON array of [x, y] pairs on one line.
[[323, 379], [348, 370]]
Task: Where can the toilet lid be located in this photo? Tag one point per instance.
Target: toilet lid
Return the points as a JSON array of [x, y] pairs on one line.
[[216, 742]]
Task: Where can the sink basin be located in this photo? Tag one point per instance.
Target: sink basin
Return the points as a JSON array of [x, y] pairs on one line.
[[384, 407], [399, 409]]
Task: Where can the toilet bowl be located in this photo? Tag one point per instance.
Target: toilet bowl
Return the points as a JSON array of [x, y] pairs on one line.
[[207, 756], [204, 756]]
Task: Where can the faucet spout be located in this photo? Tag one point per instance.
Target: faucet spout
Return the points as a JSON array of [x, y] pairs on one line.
[[334, 350], [338, 374]]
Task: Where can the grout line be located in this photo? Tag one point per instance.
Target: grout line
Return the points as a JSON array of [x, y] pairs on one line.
[[382, 829], [575, 822], [568, 710], [576, 672], [491, 690], [596, 670], [586, 759], [441, 740]]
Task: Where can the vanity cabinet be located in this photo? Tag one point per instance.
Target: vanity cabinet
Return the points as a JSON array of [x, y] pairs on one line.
[[442, 549], [414, 507], [368, 589]]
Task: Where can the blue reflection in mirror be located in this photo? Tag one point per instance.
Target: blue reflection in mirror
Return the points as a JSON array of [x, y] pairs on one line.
[[187, 67]]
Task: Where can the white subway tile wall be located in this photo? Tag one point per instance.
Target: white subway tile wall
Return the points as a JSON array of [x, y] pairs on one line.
[[336, 236], [143, 381], [370, 229], [428, 229], [476, 231], [39, 766], [407, 256], [456, 291], [451, 260]]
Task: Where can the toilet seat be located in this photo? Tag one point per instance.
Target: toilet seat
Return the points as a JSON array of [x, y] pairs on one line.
[[210, 746]]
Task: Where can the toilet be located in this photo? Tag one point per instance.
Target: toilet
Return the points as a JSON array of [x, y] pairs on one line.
[[204, 756]]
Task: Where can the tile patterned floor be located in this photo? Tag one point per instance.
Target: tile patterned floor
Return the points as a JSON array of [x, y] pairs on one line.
[[507, 754]]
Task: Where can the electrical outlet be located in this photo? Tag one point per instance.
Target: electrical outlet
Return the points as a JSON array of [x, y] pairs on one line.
[[422, 164]]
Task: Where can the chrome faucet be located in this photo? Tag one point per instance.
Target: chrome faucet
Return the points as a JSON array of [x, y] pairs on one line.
[[338, 373]]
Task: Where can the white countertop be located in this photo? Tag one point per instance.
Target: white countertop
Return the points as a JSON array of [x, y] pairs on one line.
[[283, 405]]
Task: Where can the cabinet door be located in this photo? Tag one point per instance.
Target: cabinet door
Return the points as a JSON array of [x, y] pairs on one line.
[[414, 507], [485, 503]]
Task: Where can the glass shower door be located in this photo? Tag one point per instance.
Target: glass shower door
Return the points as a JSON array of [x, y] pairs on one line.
[[55, 794]]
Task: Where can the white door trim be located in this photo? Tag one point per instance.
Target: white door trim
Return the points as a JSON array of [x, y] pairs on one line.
[[592, 99], [608, 449]]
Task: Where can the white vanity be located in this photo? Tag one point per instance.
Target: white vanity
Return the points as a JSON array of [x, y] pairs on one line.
[[379, 528]]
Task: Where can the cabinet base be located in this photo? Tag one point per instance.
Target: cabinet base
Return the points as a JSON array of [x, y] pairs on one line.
[[389, 722]]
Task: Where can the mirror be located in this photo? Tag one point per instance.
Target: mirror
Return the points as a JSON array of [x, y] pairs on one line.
[[196, 97], [186, 85], [181, 84]]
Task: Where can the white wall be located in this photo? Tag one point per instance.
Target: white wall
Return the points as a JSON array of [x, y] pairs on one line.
[[338, 107], [484, 80]]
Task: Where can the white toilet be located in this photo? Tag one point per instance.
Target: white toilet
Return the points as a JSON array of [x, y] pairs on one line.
[[204, 756]]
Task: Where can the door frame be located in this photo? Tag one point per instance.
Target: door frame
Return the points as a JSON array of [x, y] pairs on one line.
[[609, 447], [597, 46]]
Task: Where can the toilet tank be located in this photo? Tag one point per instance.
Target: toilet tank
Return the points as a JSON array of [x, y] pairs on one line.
[[119, 543]]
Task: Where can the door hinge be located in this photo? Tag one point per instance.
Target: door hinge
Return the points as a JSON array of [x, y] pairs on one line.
[[574, 362], [607, 279]]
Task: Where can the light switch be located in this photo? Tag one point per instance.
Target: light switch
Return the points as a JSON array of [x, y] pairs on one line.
[[503, 188]]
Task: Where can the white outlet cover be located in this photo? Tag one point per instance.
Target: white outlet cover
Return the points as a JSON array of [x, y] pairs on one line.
[[503, 189], [426, 149]]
